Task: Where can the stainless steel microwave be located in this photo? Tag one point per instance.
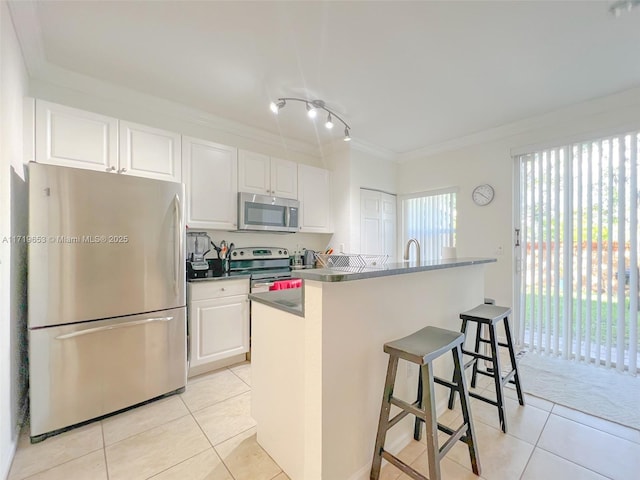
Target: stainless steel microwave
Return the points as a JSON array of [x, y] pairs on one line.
[[265, 213]]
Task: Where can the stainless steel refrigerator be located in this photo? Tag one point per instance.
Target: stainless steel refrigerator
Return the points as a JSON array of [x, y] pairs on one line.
[[107, 315]]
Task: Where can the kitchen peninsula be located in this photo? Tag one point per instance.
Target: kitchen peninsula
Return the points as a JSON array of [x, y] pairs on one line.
[[318, 366]]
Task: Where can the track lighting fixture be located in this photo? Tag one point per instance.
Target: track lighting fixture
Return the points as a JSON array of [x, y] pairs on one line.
[[312, 107], [617, 8]]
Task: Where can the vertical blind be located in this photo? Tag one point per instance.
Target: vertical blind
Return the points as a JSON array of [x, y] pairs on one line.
[[579, 277], [430, 218]]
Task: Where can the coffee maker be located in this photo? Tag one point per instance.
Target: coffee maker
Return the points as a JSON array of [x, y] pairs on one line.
[[198, 245]]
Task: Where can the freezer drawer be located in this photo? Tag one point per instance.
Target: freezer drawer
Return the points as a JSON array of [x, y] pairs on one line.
[[83, 371]]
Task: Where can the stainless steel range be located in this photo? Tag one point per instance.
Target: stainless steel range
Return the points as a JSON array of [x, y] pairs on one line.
[[268, 266]]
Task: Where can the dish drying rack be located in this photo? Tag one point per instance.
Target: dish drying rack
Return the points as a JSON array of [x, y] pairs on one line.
[[344, 260]]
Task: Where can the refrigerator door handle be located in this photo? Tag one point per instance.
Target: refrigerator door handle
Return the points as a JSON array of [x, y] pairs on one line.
[[112, 327], [178, 244]]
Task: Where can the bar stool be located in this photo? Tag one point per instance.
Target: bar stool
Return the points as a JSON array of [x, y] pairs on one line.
[[490, 315], [422, 347]]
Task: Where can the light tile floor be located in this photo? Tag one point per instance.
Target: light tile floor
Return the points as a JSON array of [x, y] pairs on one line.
[[207, 433]]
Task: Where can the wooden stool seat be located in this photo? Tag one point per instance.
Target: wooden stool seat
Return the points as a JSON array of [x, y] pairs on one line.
[[421, 348]]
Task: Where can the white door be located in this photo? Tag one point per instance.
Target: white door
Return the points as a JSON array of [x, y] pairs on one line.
[[284, 178], [377, 223], [314, 193], [74, 138], [220, 329], [149, 152], [254, 173], [210, 178]]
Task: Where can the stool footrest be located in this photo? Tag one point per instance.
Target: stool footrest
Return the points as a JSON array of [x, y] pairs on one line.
[[396, 462], [484, 399], [445, 383], [402, 414], [478, 355], [486, 373], [407, 407], [507, 378], [456, 435]]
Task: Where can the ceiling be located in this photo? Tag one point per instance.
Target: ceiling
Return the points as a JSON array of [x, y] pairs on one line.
[[404, 75]]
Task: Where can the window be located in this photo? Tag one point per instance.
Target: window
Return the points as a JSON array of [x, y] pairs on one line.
[[430, 218]]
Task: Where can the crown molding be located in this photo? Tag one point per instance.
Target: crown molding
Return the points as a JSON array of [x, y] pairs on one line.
[[372, 149], [625, 99]]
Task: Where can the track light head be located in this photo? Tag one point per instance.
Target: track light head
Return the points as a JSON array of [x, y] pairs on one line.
[[311, 111], [275, 107], [329, 123], [347, 137]]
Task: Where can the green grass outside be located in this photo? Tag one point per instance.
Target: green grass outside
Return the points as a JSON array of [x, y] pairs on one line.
[[585, 305]]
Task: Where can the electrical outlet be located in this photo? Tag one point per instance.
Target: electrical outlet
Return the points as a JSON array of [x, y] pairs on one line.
[[341, 248]]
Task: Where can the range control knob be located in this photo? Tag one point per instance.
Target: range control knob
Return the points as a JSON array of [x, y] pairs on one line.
[[241, 252], [280, 252], [286, 253], [235, 253]]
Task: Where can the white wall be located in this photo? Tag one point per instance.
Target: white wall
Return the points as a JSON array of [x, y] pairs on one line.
[[13, 87], [481, 230]]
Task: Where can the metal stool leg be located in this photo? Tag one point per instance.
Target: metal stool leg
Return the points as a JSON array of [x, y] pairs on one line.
[[383, 423], [461, 381], [514, 365], [497, 377]]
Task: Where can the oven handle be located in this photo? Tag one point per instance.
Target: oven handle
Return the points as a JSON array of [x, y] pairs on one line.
[[263, 284]]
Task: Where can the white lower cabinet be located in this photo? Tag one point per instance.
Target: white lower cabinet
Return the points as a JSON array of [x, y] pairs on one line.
[[218, 313]]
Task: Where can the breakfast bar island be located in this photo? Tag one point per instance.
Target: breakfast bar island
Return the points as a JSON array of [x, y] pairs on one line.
[[318, 366]]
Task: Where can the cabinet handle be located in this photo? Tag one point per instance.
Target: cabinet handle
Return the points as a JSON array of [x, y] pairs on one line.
[[110, 169], [122, 170], [223, 289]]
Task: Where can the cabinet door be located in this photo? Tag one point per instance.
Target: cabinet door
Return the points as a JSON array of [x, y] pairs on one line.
[[74, 138], [253, 173], [314, 193], [219, 329], [210, 176], [149, 152], [284, 178]]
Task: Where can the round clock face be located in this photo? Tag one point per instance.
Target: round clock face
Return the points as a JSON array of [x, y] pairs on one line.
[[482, 194]]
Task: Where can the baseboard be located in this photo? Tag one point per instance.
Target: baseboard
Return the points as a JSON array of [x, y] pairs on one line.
[[22, 417]]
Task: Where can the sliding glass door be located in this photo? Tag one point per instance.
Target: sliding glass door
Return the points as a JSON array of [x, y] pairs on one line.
[[578, 280]]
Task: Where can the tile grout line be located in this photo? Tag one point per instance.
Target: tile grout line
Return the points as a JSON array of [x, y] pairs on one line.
[[216, 403], [213, 447], [574, 463], [535, 445]]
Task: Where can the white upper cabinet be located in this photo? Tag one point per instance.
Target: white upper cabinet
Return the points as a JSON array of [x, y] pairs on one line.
[[74, 138], [284, 178], [149, 152], [258, 173], [210, 175], [314, 193]]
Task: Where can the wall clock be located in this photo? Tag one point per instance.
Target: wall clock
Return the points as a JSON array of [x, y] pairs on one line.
[[483, 195]]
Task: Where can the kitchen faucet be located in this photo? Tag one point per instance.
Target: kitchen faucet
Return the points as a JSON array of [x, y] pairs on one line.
[[406, 250]]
